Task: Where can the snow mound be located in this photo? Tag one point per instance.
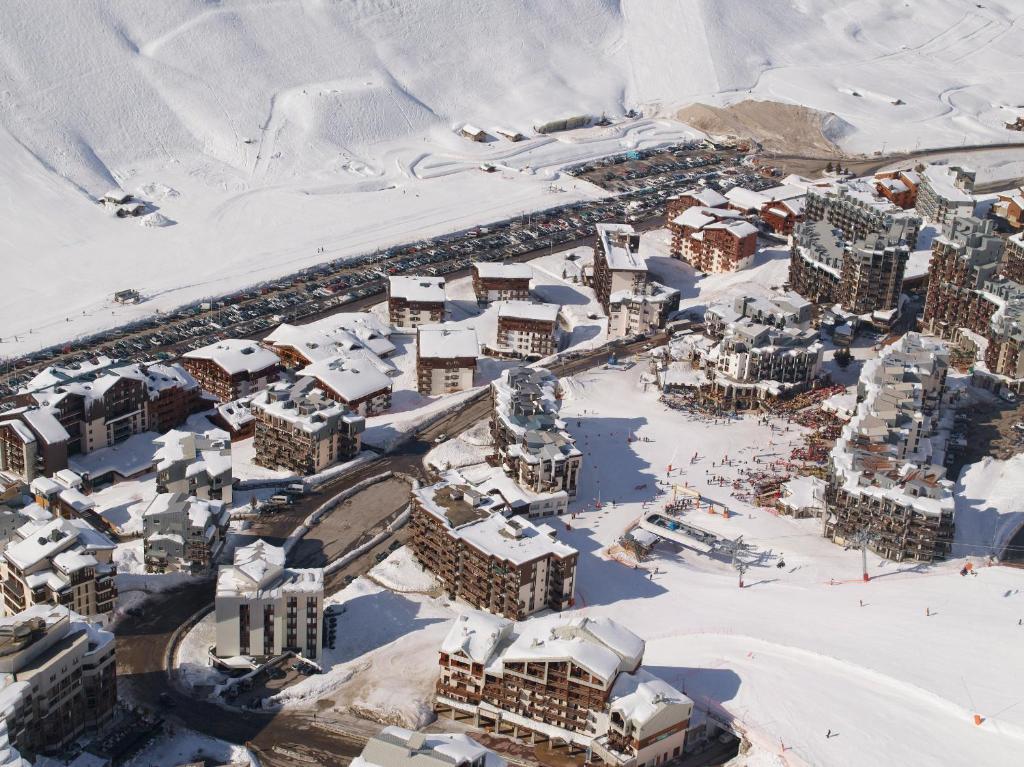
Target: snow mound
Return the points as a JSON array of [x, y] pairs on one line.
[[989, 507], [401, 572], [156, 220]]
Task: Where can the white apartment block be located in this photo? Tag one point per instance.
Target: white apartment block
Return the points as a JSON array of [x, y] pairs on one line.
[[445, 359], [264, 608], [633, 302], [58, 679], [532, 442], [183, 533], [198, 465], [946, 191], [57, 561], [886, 472], [301, 429]]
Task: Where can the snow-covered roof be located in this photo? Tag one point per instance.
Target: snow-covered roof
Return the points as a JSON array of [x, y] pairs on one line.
[[446, 342], [640, 696], [705, 196], [527, 310], [697, 217], [236, 355], [351, 376], [476, 635], [516, 540], [620, 257], [43, 422], [418, 289], [746, 199], [491, 270], [258, 569]]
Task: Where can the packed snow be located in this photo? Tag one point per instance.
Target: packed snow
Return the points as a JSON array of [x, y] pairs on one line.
[[209, 117]]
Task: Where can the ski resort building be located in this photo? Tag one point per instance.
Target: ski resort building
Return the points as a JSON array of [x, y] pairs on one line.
[[856, 211], [232, 368], [445, 359], [886, 474], [300, 345], [197, 465], [300, 429], [1009, 206], [527, 329], [506, 566], [58, 680], [183, 533], [264, 608], [633, 302], [863, 276], [697, 197], [946, 191], [501, 282], [358, 379], [532, 444], [68, 411], [580, 683], [898, 186], [971, 301], [713, 240], [415, 301], [63, 562]]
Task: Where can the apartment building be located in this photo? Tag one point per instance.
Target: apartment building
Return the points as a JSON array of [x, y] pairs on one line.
[[32, 444], [358, 379], [696, 197], [527, 329], [886, 474], [445, 359], [633, 302], [58, 679], [69, 410], [507, 566], [300, 429], [856, 211], [56, 561], [782, 217], [970, 296], [579, 682], [399, 747], [713, 240], [415, 301], [232, 368], [532, 444], [183, 533], [898, 186], [754, 363], [300, 345], [864, 276], [264, 608], [62, 496], [789, 309], [197, 465], [1012, 266], [1009, 206], [945, 192], [501, 282]]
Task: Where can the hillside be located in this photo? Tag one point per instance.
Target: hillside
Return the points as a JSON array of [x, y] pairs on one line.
[[267, 130]]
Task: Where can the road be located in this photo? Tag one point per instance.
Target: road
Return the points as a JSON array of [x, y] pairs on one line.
[[291, 738]]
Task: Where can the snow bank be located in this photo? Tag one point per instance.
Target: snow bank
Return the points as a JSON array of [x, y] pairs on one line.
[[989, 507], [401, 573]]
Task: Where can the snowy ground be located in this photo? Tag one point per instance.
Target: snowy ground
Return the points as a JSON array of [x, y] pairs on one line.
[[187, 747], [916, 653], [279, 155], [192, 658], [749, 654], [384, 664]]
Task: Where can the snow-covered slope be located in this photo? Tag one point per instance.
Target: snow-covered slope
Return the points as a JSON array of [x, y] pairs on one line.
[[290, 125]]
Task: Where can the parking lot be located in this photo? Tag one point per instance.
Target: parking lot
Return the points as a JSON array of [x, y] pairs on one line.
[[643, 180]]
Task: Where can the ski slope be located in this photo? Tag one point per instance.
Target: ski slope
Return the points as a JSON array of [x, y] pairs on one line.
[[264, 131]]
